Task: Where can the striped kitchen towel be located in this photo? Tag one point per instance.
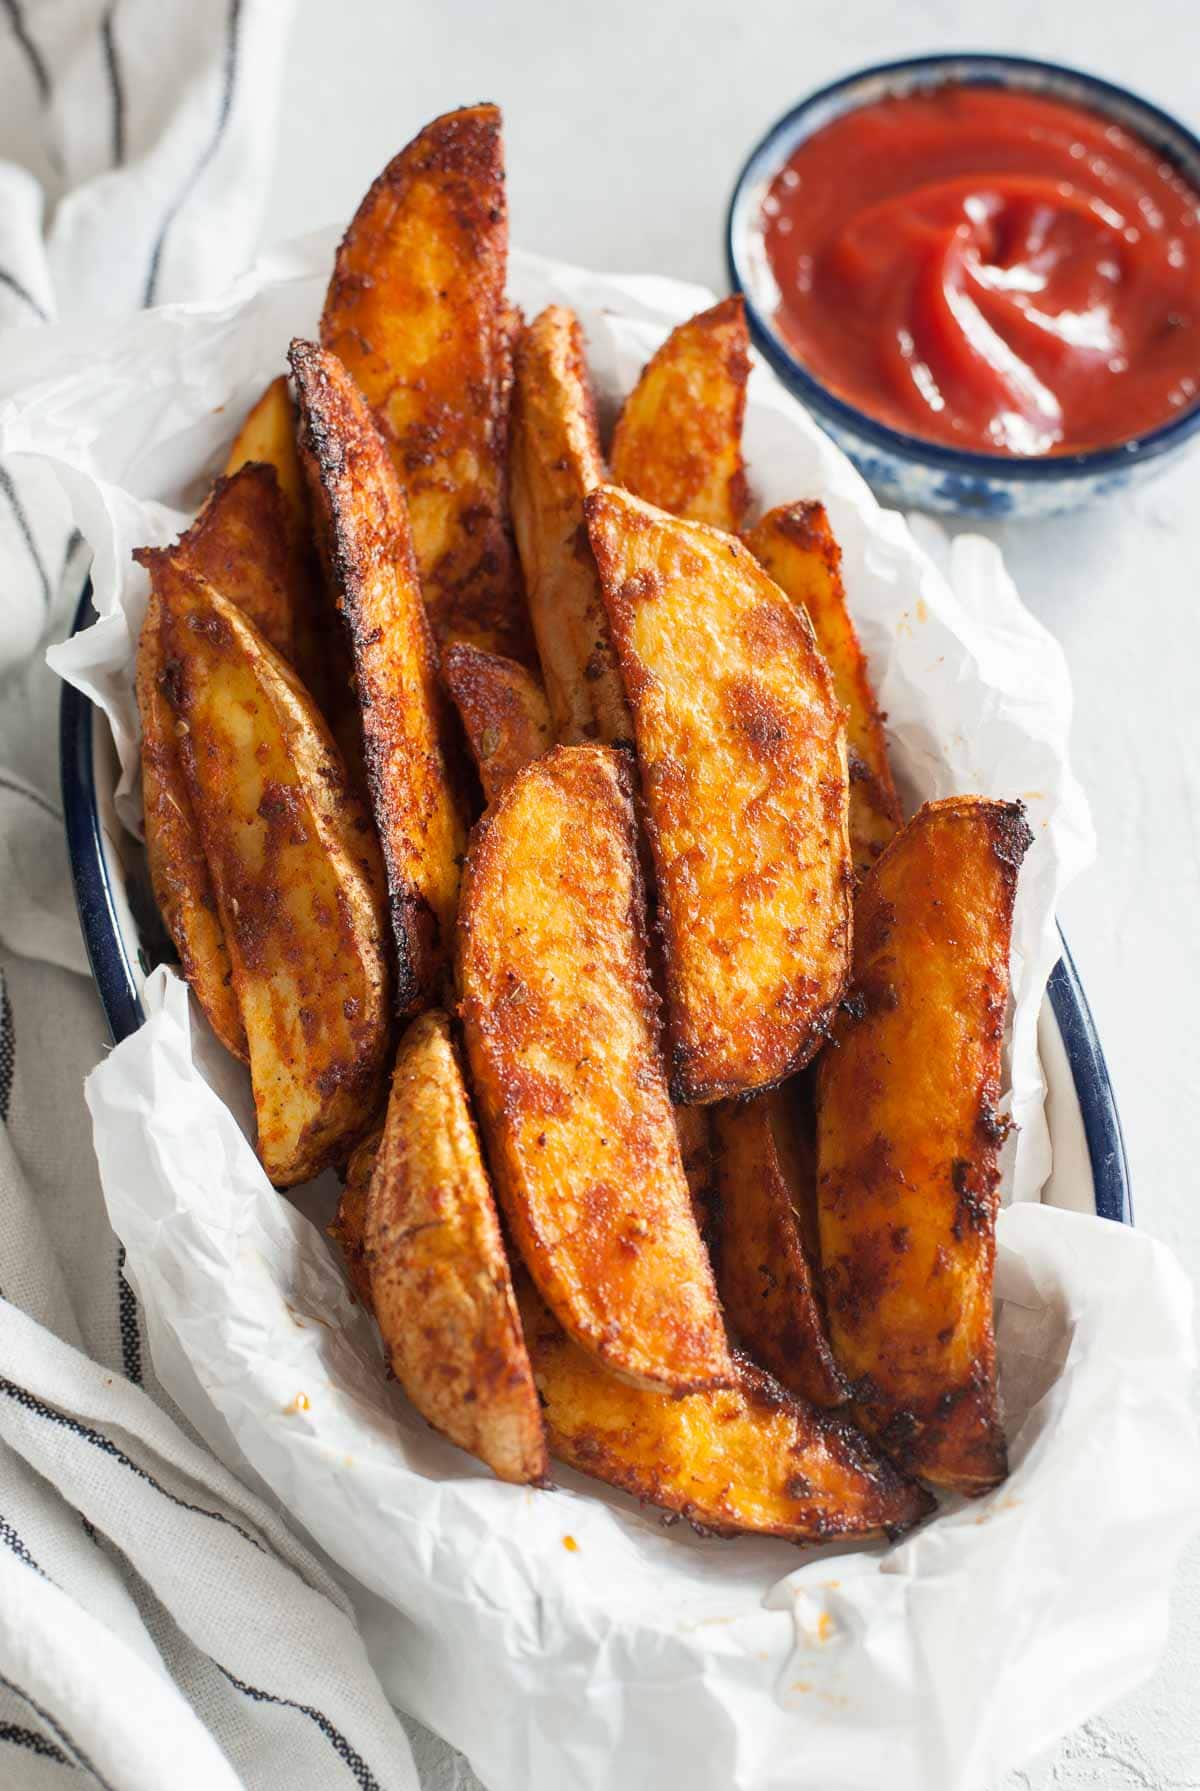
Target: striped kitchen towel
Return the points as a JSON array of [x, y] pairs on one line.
[[159, 1624]]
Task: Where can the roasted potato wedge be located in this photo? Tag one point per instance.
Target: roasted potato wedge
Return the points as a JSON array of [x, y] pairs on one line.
[[416, 311], [293, 863], [693, 1128], [907, 1140], [795, 545], [559, 1018], [439, 1277], [742, 750], [179, 875], [367, 550], [503, 711], [678, 441], [744, 1457], [348, 1230], [268, 435], [768, 1266], [240, 544], [555, 462]]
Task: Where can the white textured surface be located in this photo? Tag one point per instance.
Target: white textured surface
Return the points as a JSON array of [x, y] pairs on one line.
[[626, 125]]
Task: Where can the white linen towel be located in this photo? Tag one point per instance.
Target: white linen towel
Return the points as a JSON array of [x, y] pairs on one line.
[[159, 1625]]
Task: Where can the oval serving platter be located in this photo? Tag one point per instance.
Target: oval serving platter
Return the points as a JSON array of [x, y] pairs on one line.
[[126, 940]]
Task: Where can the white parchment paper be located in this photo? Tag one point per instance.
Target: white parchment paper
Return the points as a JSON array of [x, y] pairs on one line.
[[644, 1653]]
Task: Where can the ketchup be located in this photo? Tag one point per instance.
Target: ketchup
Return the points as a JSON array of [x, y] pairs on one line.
[[991, 269]]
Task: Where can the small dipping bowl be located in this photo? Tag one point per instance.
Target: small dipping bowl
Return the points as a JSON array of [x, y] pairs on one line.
[[904, 469]]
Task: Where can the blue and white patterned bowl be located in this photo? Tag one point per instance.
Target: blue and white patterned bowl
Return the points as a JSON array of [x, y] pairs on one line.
[[903, 469]]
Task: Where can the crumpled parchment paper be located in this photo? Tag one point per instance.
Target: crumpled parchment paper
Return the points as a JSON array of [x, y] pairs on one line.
[[644, 1652]]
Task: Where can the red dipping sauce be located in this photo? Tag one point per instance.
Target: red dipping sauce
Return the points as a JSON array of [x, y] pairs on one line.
[[991, 269]]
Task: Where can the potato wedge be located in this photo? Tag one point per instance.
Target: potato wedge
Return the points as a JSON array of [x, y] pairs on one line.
[[416, 311], [795, 546], [503, 711], [240, 544], [439, 1276], [555, 462], [348, 1230], [678, 441], [268, 435], [292, 859], [742, 751], [178, 868], [559, 1018], [321, 653], [768, 1266], [693, 1128], [367, 550], [907, 1140], [745, 1457]]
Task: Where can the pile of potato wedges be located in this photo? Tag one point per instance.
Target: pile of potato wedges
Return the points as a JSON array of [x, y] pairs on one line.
[[524, 822]]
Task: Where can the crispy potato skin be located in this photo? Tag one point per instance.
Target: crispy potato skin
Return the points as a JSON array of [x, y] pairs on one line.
[[178, 868], [795, 545], [503, 710], [416, 311], [768, 1273], [745, 1457], [560, 1024], [678, 441], [290, 853], [555, 462], [742, 750], [348, 1230], [367, 549], [241, 545], [907, 1141], [439, 1276]]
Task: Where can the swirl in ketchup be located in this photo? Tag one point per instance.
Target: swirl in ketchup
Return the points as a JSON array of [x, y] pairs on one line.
[[991, 269]]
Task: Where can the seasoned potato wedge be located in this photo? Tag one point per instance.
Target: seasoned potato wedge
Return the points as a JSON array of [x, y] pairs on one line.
[[268, 435], [292, 859], [178, 868], [503, 710], [742, 751], [417, 312], [555, 462], [348, 1230], [439, 1276], [744, 1457], [559, 1018], [907, 1139], [365, 542], [693, 1128], [768, 1269], [795, 545], [678, 442], [240, 545]]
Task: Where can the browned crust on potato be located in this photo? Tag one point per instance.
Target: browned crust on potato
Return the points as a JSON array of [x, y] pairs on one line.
[[367, 549], [348, 1229], [241, 545], [678, 440], [440, 1280], [416, 311], [908, 1140], [693, 1128], [560, 1024], [744, 1457], [741, 745], [796, 546], [503, 711], [555, 462], [178, 868], [291, 857], [768, 1271], [268, 435]]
